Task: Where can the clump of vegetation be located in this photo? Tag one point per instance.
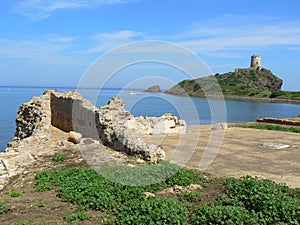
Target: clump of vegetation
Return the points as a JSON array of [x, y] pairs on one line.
[[270, 201], [214, 213], [59, 158], [152, 211], [4, 207], [41, 204], [15, 194], [246, 200], [274, 127], [77, 217], [185, 177], [194, 196], [141, 175], [286, 95]]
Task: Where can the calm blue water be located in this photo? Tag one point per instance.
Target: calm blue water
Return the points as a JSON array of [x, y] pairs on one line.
[[193, 110]]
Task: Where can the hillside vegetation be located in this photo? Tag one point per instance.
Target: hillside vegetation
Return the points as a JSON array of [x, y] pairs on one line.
[[262, 84]]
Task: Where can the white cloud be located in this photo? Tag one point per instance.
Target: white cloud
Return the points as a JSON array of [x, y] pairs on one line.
[[120, 35], [222, 37], [230, 33], [47, 50], [41, 9], [108, 41]]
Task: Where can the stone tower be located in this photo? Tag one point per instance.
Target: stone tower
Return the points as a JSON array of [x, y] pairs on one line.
[[256, 62]]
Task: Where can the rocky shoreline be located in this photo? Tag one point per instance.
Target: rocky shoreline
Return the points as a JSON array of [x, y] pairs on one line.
[[241, 98], [109, 132], [271, 100]]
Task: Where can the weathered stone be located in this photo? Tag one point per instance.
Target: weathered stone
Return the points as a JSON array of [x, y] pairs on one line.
[[4, 179], [33, 117], [275, 145], [88, 141], [140, 161], [74, 137], [149, 194], [166, 124], [71, 111], [194, 187], [220, 126], [177, 189]]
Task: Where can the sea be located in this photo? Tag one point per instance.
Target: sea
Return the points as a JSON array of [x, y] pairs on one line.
[[192, 110]]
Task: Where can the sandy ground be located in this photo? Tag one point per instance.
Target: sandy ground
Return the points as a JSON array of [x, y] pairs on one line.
[[238, 153]]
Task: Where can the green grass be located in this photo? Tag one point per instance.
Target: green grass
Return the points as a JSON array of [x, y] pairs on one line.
[[244, 201], [273, 127]]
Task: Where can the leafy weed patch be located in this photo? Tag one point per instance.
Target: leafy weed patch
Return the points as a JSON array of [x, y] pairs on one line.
[[242, 201]]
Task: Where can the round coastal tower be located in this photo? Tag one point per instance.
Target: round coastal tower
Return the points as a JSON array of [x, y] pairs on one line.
[[255, 61]]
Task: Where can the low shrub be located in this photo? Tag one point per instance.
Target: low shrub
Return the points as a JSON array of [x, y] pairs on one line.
[[195, 196], [152, 211], [89, 189], [185, 177], [269, 200], [222, 214], [77, 217], [246, 200]]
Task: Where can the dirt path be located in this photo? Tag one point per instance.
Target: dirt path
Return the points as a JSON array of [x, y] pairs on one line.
[[241, 152]]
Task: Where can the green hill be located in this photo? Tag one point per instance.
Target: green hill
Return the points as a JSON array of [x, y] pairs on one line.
[[258, 84]]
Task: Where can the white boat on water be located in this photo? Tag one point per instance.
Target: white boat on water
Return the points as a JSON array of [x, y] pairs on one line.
[[134, 93]]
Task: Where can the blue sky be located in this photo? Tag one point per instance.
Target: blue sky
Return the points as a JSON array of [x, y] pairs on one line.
[[53, 42]]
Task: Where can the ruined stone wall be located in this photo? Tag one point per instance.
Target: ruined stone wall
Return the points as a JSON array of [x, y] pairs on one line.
[[71, 112], [33, 116], [166, 124], [61, 112], [111, 124]]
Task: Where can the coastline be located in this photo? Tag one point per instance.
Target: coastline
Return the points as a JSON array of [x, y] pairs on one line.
[[242, 98], [270, 100]]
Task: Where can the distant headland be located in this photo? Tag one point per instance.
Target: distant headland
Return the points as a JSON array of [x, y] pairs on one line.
[[253, 83]]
